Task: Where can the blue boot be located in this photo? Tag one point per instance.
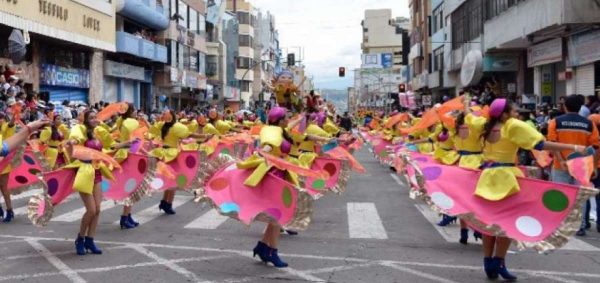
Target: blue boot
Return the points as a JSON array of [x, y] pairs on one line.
[[10, 215], [477, 235], [90, 246], [464, 236], [502, 270], [125, 224], [1, 212], [130, 219], [261, 250], [166, 207], [275, 260], [80, 245], [490, 268], [446, 220]]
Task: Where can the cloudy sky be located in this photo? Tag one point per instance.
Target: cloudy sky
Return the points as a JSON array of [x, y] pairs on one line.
[[328, 30]]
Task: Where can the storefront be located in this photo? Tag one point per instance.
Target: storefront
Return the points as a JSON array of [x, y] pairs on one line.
[[547, 60], [584, 59], [124, 82], [61, 84], [501, 73]]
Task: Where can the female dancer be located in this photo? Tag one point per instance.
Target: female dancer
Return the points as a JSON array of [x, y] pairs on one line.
[[52, 136], [7, 129]]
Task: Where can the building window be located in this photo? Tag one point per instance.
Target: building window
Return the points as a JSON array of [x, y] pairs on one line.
[[437, 19], [467, 23], [438, 59], [182, 11], [243, 18], [172, 7], [494, 8], [244, 62], [194, 64], [201, 63], [172, 53], [192, 23], [246, 40], [245, 86]]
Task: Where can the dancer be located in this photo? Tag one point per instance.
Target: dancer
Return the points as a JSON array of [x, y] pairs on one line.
[[7, 129], [53, 136]]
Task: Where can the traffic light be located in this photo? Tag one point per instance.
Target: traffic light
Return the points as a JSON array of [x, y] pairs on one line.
[[291, 59], [401, 88], [342, 72]]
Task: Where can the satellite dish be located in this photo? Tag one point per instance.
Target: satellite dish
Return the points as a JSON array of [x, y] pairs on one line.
[[17, 47]]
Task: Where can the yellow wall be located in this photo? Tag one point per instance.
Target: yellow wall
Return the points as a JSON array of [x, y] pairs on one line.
[[66, 15]]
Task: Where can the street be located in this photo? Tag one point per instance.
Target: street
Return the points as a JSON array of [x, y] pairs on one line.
[[372, 233]]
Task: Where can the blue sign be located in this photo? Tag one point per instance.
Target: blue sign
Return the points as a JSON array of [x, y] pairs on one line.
[[59, 76], [387, 60]]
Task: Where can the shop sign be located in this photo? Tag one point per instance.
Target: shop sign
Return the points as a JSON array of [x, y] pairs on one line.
[[547, 89], [60, 76], [126, 71], [191, 80], [584, 48], [387, 60], [472, 68], [53, 10], [545, 53], [500, 63], [426, 100], [174, 74]]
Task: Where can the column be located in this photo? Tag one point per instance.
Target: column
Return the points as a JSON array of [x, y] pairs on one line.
[[96, 77]]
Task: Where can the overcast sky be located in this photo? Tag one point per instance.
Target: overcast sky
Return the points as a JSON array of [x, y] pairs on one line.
[[328, 30]]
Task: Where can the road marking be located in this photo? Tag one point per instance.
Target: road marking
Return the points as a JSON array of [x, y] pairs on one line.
[[417, 273], [451, 233], [163, 261], [23, 209], [152, 212], [364, 221], [398, 180], [56, 262], [556, 278], [209, 220], [76, 214], [25, 194]]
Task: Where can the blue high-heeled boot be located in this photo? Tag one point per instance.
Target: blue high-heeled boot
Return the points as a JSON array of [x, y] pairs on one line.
[[10, 215], [90, 246], [125, 224], [275, 259], [464, 236], [446, 220], [130, 219], [80, 245], [1, 212], [502, 270], [477, 235], [490, 268], [166, 207], [261, 250]]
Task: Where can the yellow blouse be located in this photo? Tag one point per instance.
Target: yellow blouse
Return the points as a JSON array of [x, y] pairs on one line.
[[473, 143], [170, 149], [52, 151]]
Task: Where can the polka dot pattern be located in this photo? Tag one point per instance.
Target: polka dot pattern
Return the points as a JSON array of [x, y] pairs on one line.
[[318, 184], [442, 200], [529, 226], [274, 212], [130, 185], [231, 167], [225, 151], [432, 173], [330, 168], [555, 200], [21, 179], [286, 197], [34, 171], [142, 166], [190, 162], [181, 181], [230, 207], [157, 183], [218, 184], [105, 185], [29, 159], [52, 186]]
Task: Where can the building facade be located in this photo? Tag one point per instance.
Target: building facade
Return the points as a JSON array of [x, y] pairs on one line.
[[246, 16], [420, 46], [266, 53]]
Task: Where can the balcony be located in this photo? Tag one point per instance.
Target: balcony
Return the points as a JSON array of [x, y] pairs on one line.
[[130, 44], [147, 12]]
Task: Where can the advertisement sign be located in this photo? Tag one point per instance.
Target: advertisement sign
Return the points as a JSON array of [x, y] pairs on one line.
[[584, 48], [371, 61], [60, 76], [500, 63], [426, 100], [545, 53], [387, 60], [120, 70]]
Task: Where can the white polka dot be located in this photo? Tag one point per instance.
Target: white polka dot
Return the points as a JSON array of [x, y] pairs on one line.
[[529, 226], [130, 185], [442, 200], [231, 167], [157, 183]]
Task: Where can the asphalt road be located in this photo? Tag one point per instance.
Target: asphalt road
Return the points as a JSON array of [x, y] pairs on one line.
[[372, 233]]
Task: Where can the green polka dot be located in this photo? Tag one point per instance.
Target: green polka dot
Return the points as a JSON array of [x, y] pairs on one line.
[[555, 200], [225, 151], [318, 184], [286, 197], [181, 181], [383, 153]]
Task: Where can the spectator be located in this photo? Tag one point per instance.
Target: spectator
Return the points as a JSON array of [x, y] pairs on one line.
[[346, 122], [571, 128], [66, 112], [584, 111]]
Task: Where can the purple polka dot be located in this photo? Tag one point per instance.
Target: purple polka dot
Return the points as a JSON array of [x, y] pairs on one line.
[[52, 186], [274, 212], [190, 162], [432, 173], [34, 171], [421, 159], [21, 179], [29, 160], [142, 166]]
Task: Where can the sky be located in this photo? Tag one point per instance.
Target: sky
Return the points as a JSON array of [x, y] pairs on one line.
[[329, 31]]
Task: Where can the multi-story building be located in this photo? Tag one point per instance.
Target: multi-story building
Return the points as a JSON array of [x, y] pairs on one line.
[[266, 52], [420, 46], [246, 16], [128, 73], [66, 41], [382, 38], [181, 83]]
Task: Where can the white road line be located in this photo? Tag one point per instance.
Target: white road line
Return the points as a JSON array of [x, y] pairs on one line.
[[23, 209], [418, 273], [209, 220], [556, 278], [163, 261], [398, 180], [75, 215], [371, 150], [152, 212], [364, 221], [25, 194], [56, 262], [451, 233]]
